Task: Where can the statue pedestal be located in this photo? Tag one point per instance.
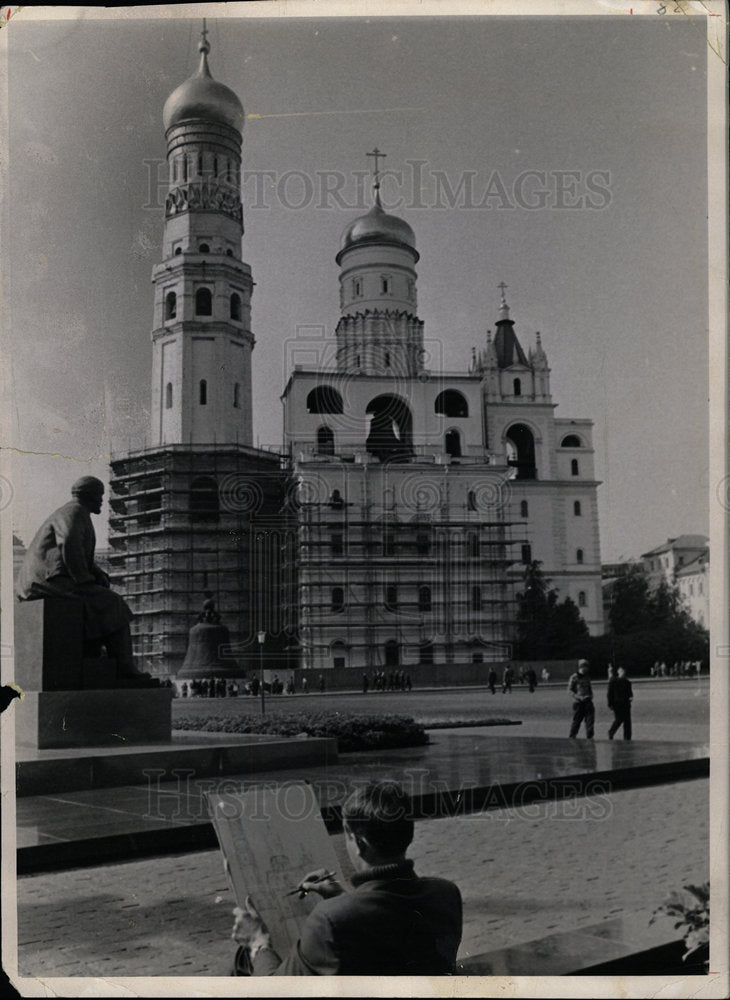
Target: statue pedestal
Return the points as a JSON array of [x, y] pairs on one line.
[[70, 700], [54, 719]]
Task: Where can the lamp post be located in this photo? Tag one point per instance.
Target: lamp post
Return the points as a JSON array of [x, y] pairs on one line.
[[262, 638]]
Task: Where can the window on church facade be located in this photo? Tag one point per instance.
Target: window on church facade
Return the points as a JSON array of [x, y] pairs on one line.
[[579, 555], [337, 599], [571, 441], [582, 599], [526, 554], [204, 248], [236, 306], [577, 511], [471, 500], [170, 305], [473, 545], [517, 386], [476, 598], [524, 508], [452, 443], [168, 396], [203, 392], [424, 598], [336, 545], [391, 597], [237, 396], [384, 285], [574, 467], [357, 287], [451, 403], [325, 441], [203, 302], [387, 359]]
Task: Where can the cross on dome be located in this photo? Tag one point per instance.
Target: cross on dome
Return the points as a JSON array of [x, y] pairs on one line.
[[204, 44]]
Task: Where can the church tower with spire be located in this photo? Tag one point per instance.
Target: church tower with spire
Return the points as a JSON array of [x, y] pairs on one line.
[[202, 339], [195, 515]]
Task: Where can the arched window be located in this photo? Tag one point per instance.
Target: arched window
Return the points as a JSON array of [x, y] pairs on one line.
[[357, 287], [582, 599], [577, 508], [423, 543], [390, 436], [574, 466], [391, 597], [452, 443], [526, 554], [324, 399], [451, 403], [203, 302], [178, 251], [392, 653], [203, 392], [237, 396], [579, 555], [236, 306], [338, 599], [204, 248], [521, 454], [517, 387], [425, 653], [471, 500], [204, 503], [325, 441], [337, 545], [336, 501], [170, 305], [200, 164], [476, 598], [168, 396], [473, 545], [524, 508], [384, 285], [424, 598], [571, 441]]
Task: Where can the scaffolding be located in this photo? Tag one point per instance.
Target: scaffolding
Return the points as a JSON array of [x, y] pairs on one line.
[[181, 528], [385, 584]]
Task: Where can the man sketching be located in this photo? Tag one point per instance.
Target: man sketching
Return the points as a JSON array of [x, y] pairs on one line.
[[392, 923]]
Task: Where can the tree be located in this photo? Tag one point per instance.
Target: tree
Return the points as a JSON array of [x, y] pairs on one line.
[[652, 626], [547, 629]]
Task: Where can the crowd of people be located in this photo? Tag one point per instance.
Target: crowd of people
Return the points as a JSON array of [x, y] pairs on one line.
[[382, 680], [680, 668]]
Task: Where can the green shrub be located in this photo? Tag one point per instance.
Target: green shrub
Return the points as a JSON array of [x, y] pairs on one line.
[[353, 732]]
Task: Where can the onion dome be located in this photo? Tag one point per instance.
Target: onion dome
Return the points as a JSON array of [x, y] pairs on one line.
[[203, 97], [378, 227]]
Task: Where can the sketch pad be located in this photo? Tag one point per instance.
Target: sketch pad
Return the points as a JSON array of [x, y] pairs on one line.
[[270, 839]]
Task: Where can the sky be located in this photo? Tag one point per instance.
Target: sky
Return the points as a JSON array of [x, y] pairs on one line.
[[616, 284]]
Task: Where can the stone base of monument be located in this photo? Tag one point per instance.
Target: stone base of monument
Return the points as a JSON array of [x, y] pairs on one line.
[[108, 717]]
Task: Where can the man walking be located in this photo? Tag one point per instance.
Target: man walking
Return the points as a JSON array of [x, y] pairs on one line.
[[583, 708], [620, 696]]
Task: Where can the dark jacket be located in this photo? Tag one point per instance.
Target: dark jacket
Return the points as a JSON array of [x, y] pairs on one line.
[[393, 924], [619, 692]]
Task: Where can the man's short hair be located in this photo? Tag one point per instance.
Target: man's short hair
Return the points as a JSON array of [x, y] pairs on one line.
[[382, 812]]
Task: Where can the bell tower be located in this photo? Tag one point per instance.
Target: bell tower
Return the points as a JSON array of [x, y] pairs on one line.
[[202, 339]]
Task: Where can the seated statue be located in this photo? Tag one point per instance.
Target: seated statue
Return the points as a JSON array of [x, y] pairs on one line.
[[60, 563]]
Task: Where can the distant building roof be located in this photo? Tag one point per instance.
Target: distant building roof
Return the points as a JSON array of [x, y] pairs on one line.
[[696, 565], [681, 542]]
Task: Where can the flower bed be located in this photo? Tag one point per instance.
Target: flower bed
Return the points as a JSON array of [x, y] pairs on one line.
[[353, 732]]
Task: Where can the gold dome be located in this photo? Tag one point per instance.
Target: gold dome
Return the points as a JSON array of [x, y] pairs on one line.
[[378, 227], [201, 96]]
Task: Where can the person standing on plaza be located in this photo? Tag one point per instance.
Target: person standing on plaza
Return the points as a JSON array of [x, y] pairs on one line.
[[492, 680], [620, 696], [531, 678], [507, 677], [580, 688]]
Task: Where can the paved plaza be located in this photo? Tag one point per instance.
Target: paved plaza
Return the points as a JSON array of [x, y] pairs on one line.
[[523, 873]]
